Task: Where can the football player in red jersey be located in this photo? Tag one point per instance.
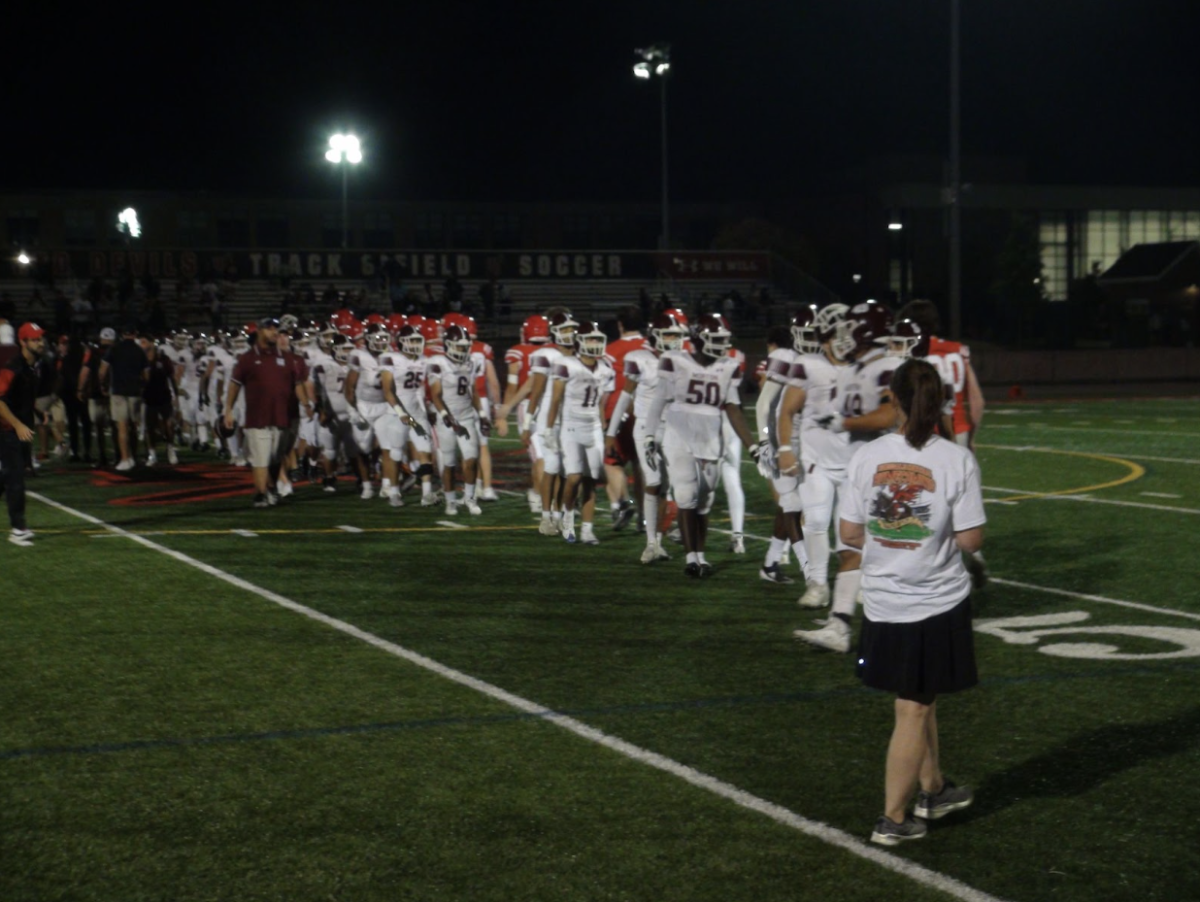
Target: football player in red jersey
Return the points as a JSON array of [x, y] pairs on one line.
[[630, 325], [953, 362], [535, 332]]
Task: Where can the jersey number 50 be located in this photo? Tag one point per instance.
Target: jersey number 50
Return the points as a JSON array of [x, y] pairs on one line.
[[700, 392]]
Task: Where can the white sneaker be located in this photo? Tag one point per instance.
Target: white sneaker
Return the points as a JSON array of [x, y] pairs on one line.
[[815, 596], [368, 491], [548, 528], [587, 537], [124, 466], [21, 537], [172, 457], [473, 507], [395, 500], [661, 552], [489, 494], [451, 509], [283, 488], [737, 544], [834, 635], [239, 461], [151, 459], [569, 535], [650, 555], [430, 500]]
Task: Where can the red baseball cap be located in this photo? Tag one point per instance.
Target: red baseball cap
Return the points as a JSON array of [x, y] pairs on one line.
[[30, 331]]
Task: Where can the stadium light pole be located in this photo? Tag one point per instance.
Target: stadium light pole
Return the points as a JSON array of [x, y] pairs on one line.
[[344, 151], [655, 61]]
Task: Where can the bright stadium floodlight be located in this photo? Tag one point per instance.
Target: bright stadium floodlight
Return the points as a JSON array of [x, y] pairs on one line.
[[127, 222], [23, 258], [895, 226], [344, 151], [655, 60]]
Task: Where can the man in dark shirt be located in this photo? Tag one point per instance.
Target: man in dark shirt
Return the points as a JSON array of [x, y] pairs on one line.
[[126, 361], [159, 399], [270, 379], [18, 390]]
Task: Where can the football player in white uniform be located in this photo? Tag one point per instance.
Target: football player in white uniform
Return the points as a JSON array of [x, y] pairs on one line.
[[562, 332], [785, 346], [192, 413], [403, 378], [364, 392], [575, 425], [452, 376], [535, 333], [694, 391], [730, 474], [334, 430], [667, 334], [862, 411]]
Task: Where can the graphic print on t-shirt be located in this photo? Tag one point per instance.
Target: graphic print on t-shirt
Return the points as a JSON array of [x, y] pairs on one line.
[[897, 511]]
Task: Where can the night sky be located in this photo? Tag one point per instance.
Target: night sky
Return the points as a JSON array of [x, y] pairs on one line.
[[536, 101]]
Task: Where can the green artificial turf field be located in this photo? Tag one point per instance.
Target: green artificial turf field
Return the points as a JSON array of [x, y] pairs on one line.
[[335, 700]]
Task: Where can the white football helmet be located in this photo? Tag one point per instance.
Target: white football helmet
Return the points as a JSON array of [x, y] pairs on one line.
[[590, 341], [457, 343]]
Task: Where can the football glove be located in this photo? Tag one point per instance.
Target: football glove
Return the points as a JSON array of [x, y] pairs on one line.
[[485, 428], [551, 441], [834, 422], [650, 447]]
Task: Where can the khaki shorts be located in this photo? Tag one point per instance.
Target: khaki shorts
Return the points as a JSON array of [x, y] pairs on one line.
[[97, 412], [126, 408], [53, 405], [262, 445]]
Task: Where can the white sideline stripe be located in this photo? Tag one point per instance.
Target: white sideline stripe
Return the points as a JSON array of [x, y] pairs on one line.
[[1160, 495], [777, 813], [1000, 501], [451, 524], [1137, 606], [1134, 456], [349, 529]]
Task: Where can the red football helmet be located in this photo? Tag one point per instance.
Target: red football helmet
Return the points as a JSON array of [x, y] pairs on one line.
[[535, 330], [805, 335], [669, 331], [678, 314], [711, 336], [590, 339], [374, 318], [563, 327], [431, 330], [458, 344], [396, 322]]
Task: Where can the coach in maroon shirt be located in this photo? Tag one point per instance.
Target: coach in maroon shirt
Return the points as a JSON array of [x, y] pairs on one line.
[[270, 379]]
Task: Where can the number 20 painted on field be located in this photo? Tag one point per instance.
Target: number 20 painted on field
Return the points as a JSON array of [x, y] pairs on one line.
[[1031, 630]]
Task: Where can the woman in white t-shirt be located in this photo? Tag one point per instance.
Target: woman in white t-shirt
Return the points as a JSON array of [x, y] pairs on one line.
[[914, 505]]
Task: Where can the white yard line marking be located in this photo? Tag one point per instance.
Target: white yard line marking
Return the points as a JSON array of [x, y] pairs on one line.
[[245, 533], [451, 524], [1093, 500], [349, 529], [1000, 501], [816, 829], [1137, 606], [1160, 495]]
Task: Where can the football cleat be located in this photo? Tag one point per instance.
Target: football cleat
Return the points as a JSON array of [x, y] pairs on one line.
[[706, 570], [151, 459], [587, 537], [172, 457], [395, 500], [815, 596], [368, 491], [623, 514], [489, 494], [451, 509], [662, 554], [774, 574], [430, 500], [548, 528], [569, 535], [692, 570], [473, 508], [834, 635], [23, 538], [650, 555], [737, 544]]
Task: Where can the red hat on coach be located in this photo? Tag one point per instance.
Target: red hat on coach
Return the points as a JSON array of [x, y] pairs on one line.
[[30, 331]]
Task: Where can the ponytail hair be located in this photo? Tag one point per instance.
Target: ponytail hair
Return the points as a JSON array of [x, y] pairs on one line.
[[918, 391]]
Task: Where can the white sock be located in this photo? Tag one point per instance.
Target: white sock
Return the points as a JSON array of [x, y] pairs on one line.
[[586, 528], [469, 493], [801, 557], [693, 558], [774, 552], [426, 488], [845, 591], [816, 542], [451, 497], [650, 512], [385, 487], [735, 497], [568, 520], [546, 515]]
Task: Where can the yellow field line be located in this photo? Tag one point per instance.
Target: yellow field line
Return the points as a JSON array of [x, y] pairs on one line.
[[1136, 471]]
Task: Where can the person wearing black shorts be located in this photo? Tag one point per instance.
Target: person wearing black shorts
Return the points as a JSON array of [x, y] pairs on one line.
[[914, 503]]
